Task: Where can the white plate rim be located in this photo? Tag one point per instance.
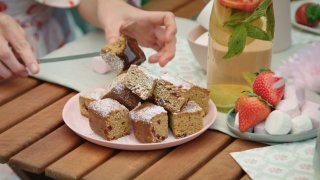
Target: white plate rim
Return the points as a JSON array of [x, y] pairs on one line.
[[265, 138], [141, 146]]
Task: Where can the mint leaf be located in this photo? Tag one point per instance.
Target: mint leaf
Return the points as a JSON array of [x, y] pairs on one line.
[[234, 11], [257, 33], [237, 41], [270, 21], [240, 15], [259, 12], [232, 24], [241, 21], [236, 19]]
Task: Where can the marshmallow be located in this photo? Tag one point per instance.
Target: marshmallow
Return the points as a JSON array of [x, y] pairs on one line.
[[301, 95], [296, 93], [203, 39], [99, 65], [292, 101], [300, 124], [260, 128], [289, 106], [290, 92], [278, 123], [312, 110], [236, 124]]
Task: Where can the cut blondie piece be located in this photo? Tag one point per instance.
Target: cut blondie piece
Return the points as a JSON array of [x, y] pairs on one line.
[[150, 123], [201, 96], [86, 98], [140, 81], [118, 91], [171, 92], [188, 121], [123, 53], [109, 119]]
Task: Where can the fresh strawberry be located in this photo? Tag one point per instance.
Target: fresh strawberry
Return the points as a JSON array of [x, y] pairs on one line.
[[239, 102], [308, 14], [263, 86], [244, 5], [252, 110]]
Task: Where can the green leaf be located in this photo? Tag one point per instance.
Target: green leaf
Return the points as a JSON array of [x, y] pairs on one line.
[[270, 21], [236, 19], [240, 23], [232, 110], [259, 12], [313, 12], [257, 33], [318, 11], [232, 23], [237, 41], [250, 94], [234, 11], [262, 70], [241, 15]]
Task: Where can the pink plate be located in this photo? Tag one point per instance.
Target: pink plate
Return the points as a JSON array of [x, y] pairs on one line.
[[80, 125]]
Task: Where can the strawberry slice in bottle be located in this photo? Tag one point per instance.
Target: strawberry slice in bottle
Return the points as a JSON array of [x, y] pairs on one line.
[[244, 5]]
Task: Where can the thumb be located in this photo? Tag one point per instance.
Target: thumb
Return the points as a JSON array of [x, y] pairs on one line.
[[112, 33]]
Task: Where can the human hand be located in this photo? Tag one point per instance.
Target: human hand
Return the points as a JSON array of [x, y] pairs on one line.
[[16, 55], [155, 30]]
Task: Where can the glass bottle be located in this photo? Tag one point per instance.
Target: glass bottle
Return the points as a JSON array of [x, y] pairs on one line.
[[239, 45]]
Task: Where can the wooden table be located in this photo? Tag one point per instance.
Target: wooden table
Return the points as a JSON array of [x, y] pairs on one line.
[[36, 143]]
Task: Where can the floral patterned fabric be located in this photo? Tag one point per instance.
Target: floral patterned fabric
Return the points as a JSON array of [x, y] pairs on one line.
[[283, 162], [47, 28]]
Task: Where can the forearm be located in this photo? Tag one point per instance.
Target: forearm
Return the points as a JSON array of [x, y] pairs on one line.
[[88, 9]]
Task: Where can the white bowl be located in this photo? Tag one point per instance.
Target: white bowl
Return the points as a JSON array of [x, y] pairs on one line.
[[199, 51]]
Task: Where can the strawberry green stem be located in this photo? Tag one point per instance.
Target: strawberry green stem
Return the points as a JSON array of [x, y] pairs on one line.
[[313, 13]]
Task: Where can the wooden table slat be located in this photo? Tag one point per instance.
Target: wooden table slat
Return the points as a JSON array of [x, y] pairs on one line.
[[32, 129], [29, 103], [42, 153], [12, 88], [223, 166], [126, 164], [164, 5], [79, 162], [191, 9], [187, 158]]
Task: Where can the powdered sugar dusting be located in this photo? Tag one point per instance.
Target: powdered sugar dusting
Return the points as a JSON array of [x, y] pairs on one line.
[[120, 78], [114, 61], [191, 106], [95, 94], [119, 88], [145, 71], [117, 85], [176, 81], [106, 106], [145, 112], [140, 81]]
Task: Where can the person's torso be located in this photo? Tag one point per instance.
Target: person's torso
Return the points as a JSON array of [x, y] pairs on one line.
[[47, 28]]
